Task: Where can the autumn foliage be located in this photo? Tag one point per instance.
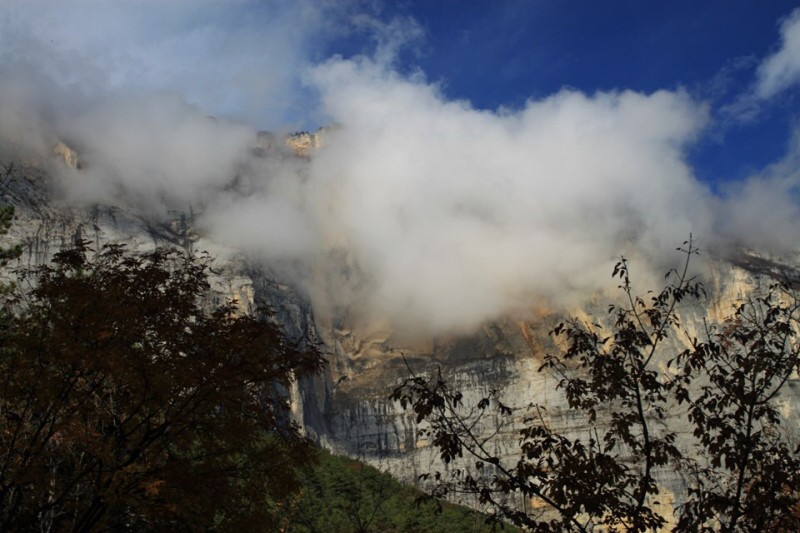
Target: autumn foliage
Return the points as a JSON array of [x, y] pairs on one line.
[[127, 405]]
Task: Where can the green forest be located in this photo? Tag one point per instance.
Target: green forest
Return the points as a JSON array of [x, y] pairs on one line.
[[342, 495]]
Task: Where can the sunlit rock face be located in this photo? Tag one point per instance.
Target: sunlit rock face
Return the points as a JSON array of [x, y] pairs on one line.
[[348, 408], [303, 144], [507, 356], [67, 154]]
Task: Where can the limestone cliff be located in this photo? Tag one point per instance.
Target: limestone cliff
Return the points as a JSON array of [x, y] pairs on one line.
[[347, 409]]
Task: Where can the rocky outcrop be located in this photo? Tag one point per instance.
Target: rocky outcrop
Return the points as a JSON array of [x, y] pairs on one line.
[[301, 144], [348, 409], [67, 154]]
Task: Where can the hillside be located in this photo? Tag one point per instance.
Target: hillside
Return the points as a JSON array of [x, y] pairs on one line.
[[342, 495]]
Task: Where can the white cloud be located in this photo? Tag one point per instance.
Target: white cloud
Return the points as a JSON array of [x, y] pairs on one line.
[[456, 215], [240, 58], [781, 70], [155, 146], [763, 211]]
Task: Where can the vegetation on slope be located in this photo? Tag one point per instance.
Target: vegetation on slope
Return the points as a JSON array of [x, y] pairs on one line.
[[341, 495]]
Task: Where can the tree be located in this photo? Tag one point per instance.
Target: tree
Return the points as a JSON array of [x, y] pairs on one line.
[[727, 383], [752, 480], [124, 405], [342, 495], [6, 218]]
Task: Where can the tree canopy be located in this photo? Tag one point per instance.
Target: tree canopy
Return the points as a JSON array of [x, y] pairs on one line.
[[127, 404]]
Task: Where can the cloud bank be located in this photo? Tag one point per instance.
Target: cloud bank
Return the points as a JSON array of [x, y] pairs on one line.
[[419, 210], [458, 213], [240, 58]]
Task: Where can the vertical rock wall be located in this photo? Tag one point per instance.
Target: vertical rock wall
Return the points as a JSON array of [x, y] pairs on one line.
[[348, 408]]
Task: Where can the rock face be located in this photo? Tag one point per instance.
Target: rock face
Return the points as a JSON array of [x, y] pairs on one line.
[[347, 409], [506, 357]]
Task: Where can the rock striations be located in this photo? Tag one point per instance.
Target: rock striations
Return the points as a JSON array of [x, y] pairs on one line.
[[347, 410]]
